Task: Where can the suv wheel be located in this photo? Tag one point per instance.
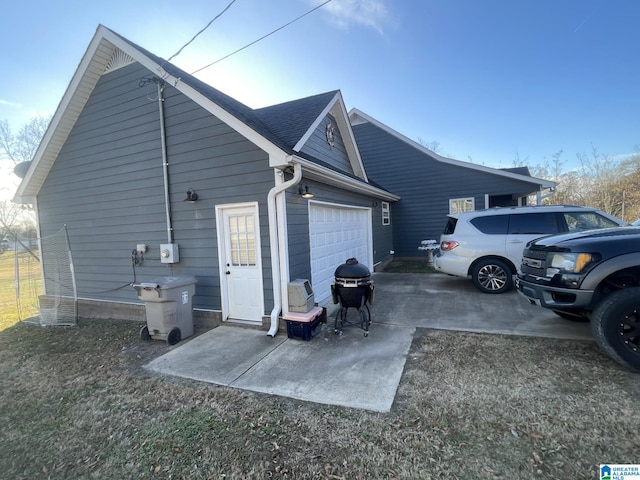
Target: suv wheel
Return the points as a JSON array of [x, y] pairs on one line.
[[615, 324], [492, 276]]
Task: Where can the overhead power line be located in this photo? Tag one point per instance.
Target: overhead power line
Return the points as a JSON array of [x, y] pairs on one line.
[[196, 35], [262, 38]]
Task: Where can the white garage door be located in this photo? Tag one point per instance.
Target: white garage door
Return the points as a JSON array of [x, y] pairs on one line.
[[336, 234]]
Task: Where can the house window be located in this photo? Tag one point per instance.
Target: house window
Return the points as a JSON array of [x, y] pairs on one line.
[[458, 205], [386, 214]]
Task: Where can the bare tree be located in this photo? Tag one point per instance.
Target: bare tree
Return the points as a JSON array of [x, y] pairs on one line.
[[22, 146], [629, 186], [433, 145], [15, 149]]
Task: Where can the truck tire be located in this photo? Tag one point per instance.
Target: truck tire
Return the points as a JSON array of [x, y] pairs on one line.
[[615, 324]]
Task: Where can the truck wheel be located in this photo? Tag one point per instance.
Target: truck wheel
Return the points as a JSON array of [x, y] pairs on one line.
[[492, 276], [615, 324]]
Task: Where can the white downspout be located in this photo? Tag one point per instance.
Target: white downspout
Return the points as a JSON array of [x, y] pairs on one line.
[[275, 250]]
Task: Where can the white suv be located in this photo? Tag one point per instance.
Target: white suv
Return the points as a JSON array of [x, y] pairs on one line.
[[487, 244]]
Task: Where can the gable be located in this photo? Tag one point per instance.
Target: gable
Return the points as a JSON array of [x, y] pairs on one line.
[[303, 123], [108, 52], [326, 142]]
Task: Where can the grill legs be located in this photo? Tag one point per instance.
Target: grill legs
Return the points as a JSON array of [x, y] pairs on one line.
[[362, 319]]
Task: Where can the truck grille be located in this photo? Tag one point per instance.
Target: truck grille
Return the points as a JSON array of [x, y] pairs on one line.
[[533, 263]]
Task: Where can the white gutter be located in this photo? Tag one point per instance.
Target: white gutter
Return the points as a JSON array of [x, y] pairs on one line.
[[345, 181], [275, 250]]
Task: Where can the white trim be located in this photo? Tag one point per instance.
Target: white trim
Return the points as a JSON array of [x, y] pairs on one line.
[[87, 74], [91, 67], [239, 126], [221, 238], [118, 60], [486, 200], [464, 200], [351, 146], [358, 207], [337, 108], [357, 117], [385, 208], [314, 125], [344, 181]]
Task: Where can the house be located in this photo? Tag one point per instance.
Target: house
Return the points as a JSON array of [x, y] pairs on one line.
[[134, 137], [431, 186]]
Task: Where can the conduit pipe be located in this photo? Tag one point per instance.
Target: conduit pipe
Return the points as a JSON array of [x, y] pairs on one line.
[[275, 248], [165, 162]]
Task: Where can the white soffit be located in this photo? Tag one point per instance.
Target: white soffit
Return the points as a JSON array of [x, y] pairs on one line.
[[107, 52], [89, 71]]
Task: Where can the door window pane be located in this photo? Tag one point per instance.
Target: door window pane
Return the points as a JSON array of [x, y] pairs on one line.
[[243, 240]]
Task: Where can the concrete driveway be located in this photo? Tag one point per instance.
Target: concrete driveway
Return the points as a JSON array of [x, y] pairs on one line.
[[453, 303], [351, 370]]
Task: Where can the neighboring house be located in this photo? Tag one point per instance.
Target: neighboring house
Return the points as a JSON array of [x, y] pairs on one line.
[[134, 135], [431, 186]]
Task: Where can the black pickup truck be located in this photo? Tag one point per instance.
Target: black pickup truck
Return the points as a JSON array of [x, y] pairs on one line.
[[594, 276]]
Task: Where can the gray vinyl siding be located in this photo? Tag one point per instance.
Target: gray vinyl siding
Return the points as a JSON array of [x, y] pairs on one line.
[[298, 225], [318, 147], [107, 186], [425, 186]]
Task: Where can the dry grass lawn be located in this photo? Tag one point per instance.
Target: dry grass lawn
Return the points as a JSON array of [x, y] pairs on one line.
[[12, 306], [76, 403]]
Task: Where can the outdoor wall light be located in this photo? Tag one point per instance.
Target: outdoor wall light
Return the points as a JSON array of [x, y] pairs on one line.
[[192, 196], [303, 189]]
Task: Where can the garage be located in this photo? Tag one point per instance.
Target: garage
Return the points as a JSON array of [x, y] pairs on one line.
[[337, 233]]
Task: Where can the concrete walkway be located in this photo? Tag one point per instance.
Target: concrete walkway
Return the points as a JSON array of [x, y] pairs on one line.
[[352, 370]]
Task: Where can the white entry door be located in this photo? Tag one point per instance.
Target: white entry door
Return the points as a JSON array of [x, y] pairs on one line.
[[240, 263], [337, 233]]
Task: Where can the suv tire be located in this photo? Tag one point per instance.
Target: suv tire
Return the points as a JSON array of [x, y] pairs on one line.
[[615, 325], [492, 276]]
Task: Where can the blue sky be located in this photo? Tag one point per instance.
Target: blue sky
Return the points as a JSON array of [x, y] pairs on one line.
[[490, 80]]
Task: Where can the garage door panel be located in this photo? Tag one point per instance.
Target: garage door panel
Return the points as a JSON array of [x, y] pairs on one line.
[[336, 234]]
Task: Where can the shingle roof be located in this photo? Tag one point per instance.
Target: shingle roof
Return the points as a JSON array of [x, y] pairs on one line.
[[242, 112], [282, 124], [291, 120], [519, 170]]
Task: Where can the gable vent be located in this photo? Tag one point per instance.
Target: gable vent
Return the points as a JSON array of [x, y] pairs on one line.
[[118, 60]]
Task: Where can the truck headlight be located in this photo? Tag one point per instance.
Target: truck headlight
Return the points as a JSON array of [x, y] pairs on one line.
[[567, 262]]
